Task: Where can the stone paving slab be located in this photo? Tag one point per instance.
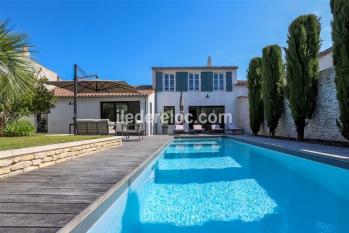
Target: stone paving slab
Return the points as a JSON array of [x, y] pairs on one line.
[[46, 199]]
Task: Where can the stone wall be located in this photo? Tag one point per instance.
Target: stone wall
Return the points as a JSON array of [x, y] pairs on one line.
[[322, 125], [18, 161]]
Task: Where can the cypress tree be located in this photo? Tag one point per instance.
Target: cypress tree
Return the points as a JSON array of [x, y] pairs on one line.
[[340, 36], [254, 84], [272, 86], [302, 60]]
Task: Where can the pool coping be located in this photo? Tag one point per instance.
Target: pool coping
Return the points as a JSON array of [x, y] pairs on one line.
[[117, 189], [329, 159], [322, 158]]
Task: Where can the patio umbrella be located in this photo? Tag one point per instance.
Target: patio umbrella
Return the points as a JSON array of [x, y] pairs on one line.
[[95, 86], [92, 86]]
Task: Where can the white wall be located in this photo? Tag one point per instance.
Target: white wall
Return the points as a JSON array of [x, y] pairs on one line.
[[60, 116], [40, 70], [151, 124], [240, 90], [242, 114], [198, 98], [43, 72], [326, 61]]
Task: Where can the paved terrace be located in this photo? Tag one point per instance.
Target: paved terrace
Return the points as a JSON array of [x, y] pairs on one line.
[[338, 156], [46, 199]]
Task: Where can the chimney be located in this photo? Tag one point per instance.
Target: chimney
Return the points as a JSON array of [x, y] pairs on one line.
[[26, 51], [209, 63]]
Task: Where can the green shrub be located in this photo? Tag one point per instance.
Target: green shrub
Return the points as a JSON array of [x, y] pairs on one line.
[[272, 86], [19, 128], [254, 84], [340, 36], [302, 57]]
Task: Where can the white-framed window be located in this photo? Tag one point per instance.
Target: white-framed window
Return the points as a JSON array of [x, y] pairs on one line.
[[218, 81], [194, 82], [169, 82]]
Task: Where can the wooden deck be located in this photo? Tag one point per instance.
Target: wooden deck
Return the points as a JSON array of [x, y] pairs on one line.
[[48, 198]]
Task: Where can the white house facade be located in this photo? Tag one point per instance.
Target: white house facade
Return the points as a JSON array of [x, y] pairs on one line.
[[193, 90], [204, 89], [100, 106]]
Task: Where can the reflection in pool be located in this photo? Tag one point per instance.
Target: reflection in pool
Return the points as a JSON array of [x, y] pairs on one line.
[[220, 185]]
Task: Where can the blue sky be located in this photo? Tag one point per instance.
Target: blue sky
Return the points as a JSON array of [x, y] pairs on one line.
[[122, 40]]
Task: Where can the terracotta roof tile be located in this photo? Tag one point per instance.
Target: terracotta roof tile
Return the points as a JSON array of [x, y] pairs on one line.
[[61, 92], [145, 89], [147, 92]]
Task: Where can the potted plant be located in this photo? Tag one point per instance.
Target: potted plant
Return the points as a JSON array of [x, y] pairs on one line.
[[164, 128], [164, 123]]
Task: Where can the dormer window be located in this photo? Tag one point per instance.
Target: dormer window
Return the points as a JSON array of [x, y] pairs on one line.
[[169, 82], [218, 81]]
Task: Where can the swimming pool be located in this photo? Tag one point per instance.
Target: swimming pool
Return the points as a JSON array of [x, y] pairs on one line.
[[221, 185]]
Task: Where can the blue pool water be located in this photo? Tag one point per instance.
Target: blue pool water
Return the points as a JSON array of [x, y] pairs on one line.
[[220, 185]]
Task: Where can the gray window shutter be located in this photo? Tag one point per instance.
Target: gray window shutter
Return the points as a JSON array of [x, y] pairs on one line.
[[181, 81], [229, 81], [159, 84], [206, 81]]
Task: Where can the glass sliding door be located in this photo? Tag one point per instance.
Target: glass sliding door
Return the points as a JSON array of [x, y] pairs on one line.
[[121, 109], [206, 111], [116, 111], [134, 109], [108, 111]]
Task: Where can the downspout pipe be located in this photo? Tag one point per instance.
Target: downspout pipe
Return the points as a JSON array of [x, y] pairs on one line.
[[145, 112], [155, 105]]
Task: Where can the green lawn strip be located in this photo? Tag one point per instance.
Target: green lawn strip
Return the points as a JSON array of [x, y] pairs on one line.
[[8, 143]]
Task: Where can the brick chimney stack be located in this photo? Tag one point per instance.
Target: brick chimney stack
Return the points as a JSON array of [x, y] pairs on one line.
[[209, 63]]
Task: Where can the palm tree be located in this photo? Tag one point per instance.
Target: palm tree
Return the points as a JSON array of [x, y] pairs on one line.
[[16, 72]]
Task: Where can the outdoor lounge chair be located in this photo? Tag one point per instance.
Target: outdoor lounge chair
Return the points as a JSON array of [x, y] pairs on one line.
[[232, 129], [81, 127], [94, 127], [215, 128], [179, 129], [198, 129]]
